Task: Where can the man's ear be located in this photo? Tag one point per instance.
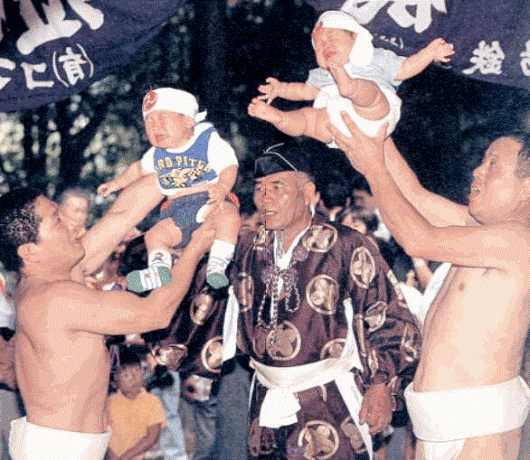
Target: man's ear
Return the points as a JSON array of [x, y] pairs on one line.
[[310, 193], [28, 252]]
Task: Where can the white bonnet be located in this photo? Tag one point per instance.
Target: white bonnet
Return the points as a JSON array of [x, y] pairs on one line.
[[363, 50], [172, 100]]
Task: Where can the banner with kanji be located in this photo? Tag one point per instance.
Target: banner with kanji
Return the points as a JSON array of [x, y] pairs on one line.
[[51, 49], [491, 37]]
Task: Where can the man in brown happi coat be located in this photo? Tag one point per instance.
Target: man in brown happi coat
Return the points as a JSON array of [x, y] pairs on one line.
[[318, 311]]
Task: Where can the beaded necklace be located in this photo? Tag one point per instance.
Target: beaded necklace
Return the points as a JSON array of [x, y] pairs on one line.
[[272, 276]]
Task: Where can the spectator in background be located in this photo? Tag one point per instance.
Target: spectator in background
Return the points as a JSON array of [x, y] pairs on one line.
[[366, 222], [135, 416], [74, 206]]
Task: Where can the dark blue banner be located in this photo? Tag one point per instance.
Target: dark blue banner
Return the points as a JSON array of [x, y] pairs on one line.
[[491, 37], [51, 49]]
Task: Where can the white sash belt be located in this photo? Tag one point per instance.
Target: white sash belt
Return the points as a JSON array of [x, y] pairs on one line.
[[280, 404]]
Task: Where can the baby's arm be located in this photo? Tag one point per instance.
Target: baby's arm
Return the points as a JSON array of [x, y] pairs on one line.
[[130, 175], [290, 91], [436, 51], [219, 190]]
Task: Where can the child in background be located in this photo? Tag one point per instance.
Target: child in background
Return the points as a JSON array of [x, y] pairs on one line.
[[352, 76], [135, 416], [196, 169]]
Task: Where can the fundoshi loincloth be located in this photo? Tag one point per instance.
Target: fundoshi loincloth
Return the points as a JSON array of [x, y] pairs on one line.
[[443, 420], [330, 99], [28, 441]]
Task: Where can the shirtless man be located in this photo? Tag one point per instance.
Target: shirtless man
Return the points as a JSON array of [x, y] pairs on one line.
[[61, 360], [467, 400]]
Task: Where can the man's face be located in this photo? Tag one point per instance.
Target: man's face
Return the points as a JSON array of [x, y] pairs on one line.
[[167, 129], [495, 190], [282, 201], [74, 212], [332, 46], [58, 244]]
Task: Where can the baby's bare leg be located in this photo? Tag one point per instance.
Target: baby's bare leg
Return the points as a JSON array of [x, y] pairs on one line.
[[163, 235], [302, 122], [227, 222], [159, 240], [366, 96]]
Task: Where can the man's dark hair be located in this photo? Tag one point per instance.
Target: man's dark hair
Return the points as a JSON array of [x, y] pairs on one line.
[[128, 357], [19, 224], [523, 156]]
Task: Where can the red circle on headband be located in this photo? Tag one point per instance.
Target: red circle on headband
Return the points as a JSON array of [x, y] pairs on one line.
[[149, 101]]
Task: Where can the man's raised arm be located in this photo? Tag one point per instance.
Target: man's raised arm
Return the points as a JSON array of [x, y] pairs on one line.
[[436, 209], [117, 312], [491, 246], [131, 206]]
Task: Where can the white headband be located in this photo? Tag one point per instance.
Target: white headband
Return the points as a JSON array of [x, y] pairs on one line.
[[172, 100], [362, 51]]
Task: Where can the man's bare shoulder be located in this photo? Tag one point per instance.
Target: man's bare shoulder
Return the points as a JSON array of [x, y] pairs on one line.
[[49, 301], [498, 245]]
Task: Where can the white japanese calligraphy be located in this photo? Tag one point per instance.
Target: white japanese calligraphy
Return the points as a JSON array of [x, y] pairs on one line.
[[29, 70], [399, 10], [71, 64], [525, 61], [56, 26], [487, 59], [9, 65]]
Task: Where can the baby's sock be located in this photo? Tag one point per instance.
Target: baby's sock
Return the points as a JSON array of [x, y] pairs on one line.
[[158, 274], [220, 256]]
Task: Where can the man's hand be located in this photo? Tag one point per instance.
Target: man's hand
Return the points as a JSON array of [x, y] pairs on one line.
[[216, 195], [270, 90], [362, 151], [376, 409]]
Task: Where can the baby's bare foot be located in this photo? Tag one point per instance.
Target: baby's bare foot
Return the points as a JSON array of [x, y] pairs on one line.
[[259, 109]]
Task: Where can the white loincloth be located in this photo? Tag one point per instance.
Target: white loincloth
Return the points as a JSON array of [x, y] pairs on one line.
[[330, 99], [443, 420], [28, 441]]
